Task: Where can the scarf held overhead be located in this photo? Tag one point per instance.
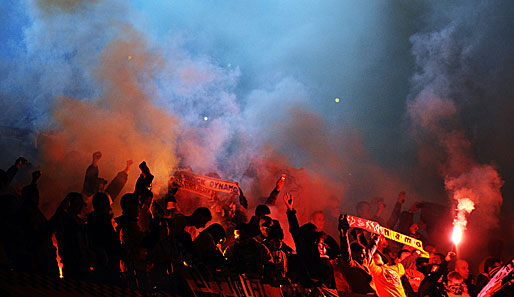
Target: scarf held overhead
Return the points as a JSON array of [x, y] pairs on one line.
[[374, 227]]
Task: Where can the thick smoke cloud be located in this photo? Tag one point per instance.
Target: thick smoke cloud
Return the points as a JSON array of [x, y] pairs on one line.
[[97, 84], [124, 124], [136, 79]]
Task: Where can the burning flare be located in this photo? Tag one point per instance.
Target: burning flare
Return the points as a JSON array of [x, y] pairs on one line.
[[457, 234], [464, 207]]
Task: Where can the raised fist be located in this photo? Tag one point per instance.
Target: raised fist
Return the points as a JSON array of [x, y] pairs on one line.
[[35, 176], [20, 162], [450, 256], [401, 197], [280, 182], [343, 224], [97, 155]]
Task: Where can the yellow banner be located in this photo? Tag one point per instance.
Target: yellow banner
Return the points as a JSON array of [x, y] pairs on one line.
[[404, 239]]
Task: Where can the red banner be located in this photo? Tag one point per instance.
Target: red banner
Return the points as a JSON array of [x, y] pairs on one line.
[[203, 185]]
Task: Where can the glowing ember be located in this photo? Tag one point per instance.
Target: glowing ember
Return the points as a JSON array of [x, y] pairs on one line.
[[54, 241]]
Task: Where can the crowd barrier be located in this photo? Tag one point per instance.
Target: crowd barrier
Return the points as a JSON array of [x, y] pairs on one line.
[[194, 282], [204, 283]]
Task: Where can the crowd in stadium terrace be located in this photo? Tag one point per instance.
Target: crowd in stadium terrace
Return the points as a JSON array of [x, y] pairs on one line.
[[146, 247]]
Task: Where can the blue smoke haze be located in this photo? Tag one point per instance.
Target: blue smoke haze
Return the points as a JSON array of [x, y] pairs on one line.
[[247, 64]]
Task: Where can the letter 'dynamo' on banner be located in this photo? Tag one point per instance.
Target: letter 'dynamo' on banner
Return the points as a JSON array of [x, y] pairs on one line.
[[204, 185], [374, 227]]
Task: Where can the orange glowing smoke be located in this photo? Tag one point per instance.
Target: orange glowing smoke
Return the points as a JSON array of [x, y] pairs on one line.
[[54, 241], [464, 207], [123, 123]]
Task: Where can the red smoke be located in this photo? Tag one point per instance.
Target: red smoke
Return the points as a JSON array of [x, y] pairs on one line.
[[442, 141], [337, 171], [124, 124]]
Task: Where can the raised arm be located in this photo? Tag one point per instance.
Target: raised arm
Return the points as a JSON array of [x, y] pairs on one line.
[[428, 284], [395, 214], [379, 202], [117, 184], [272, 198], [411, 259], [346, 255], [11, 172], [93, 183], [294, 226], [372, 246]]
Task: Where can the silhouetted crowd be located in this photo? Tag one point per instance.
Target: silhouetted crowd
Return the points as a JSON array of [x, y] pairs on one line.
[[147, 246]]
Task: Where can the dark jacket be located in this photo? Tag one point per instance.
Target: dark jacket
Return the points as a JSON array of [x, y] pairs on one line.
[[73, 244], [92, 183], [312, 268], [104, 240], [431, 285], [117, 184]]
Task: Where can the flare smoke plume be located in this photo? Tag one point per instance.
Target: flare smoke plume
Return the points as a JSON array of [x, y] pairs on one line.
[[135, 80], [445, 87]]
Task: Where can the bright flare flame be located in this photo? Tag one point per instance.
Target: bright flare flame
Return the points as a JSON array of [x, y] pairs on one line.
[[457, 234], [464, 207]]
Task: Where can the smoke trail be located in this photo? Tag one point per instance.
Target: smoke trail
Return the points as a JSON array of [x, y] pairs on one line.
[[442, 90], [481, 185]]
